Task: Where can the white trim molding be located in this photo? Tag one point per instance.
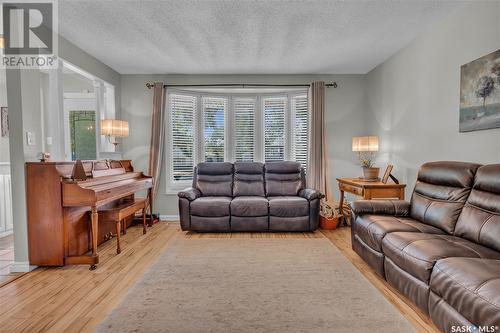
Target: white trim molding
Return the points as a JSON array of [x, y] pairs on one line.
[[170, 218], [22, 267]]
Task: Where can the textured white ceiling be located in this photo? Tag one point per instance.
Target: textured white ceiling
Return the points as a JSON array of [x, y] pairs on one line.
[[245, 37]]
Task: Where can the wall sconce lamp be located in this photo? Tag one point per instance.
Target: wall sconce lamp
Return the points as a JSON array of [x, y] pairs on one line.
[[114, 128]]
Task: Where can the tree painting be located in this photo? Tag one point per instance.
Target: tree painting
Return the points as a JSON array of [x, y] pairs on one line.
[[480, 93], [485, 86]]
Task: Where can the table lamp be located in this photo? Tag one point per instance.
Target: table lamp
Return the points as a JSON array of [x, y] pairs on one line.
[[366, 146]]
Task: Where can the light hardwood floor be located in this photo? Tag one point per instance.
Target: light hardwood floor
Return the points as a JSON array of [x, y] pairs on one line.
[[74, 299], [7, 260]]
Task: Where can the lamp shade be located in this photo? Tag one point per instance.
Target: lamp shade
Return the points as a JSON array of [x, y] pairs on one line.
[[365, 143], [115, 128]]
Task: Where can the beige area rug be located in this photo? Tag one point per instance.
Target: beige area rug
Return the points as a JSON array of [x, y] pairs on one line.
[[254, 285]]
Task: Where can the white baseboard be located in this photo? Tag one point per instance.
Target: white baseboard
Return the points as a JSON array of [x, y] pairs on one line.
[[22, 267], [169, 217]]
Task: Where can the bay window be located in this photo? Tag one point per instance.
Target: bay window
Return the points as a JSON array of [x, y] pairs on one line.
[[233, 127]]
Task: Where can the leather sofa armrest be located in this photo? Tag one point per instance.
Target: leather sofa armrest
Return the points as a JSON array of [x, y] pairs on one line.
[[310, 194], [381, 207], [189, 193]]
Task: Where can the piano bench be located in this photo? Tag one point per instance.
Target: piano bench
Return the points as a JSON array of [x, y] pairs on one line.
[[117, 211]]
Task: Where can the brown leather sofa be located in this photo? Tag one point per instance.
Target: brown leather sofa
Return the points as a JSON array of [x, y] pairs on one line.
[[441, 249]]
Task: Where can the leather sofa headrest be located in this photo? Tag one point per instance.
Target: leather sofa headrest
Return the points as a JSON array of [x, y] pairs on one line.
[[488, 178], [283, 167], [448, 173], [251, 168], [214, 168]]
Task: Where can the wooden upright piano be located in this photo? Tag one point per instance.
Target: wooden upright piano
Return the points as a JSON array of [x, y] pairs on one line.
[[63, 199]]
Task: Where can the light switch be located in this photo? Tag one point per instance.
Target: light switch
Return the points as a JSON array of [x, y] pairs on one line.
[[30, 138], [49, 141]]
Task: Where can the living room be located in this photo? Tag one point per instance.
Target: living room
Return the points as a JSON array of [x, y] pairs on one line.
[[186, 166]]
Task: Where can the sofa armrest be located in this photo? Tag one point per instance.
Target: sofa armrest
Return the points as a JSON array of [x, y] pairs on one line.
[[381, 207], [189, 193], [310, 194]]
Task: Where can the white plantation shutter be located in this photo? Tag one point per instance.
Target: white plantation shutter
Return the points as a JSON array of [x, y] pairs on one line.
[[300, 129], [274, 128], [214, 111], [239, 127], [244, 127], [182, 127]]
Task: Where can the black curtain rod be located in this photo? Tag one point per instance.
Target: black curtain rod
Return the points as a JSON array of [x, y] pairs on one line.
[[242, 85]]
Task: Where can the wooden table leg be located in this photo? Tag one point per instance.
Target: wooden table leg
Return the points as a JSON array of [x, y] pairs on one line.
[[144, 220], [341, 208], [118, 231], [94, 226], [150, 197]]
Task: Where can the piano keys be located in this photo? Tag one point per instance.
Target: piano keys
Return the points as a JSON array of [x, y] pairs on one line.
[[63, 202]]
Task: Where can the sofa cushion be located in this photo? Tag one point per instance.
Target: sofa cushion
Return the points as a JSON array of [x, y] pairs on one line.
[[283, 178], [471, 286], [296, 223], [249, 206], [440, 193], [371, 229], [210, 223], [417, 253], [248, 179], [214, 179], [253, 223], [479, 221], [288, 206], [211, 206]]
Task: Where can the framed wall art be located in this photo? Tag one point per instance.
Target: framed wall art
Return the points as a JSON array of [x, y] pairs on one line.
[[480, 93]]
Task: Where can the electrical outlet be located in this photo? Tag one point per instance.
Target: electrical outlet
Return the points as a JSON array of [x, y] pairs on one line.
[[49, 141], [30, 138]]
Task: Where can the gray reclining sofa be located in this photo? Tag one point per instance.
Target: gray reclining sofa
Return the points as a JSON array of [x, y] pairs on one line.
[[249, 196]]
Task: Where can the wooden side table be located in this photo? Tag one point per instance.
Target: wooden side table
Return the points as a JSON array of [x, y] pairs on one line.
[[368, 190]]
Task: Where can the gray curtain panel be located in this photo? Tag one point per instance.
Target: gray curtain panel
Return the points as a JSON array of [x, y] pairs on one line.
[[157, 134], [317, 170]]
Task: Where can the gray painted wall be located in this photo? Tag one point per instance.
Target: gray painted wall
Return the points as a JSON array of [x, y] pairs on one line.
[[345, 108], [413, 98]]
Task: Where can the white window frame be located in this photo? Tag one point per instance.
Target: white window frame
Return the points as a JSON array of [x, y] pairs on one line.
[[292, 126], [173, 187]]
